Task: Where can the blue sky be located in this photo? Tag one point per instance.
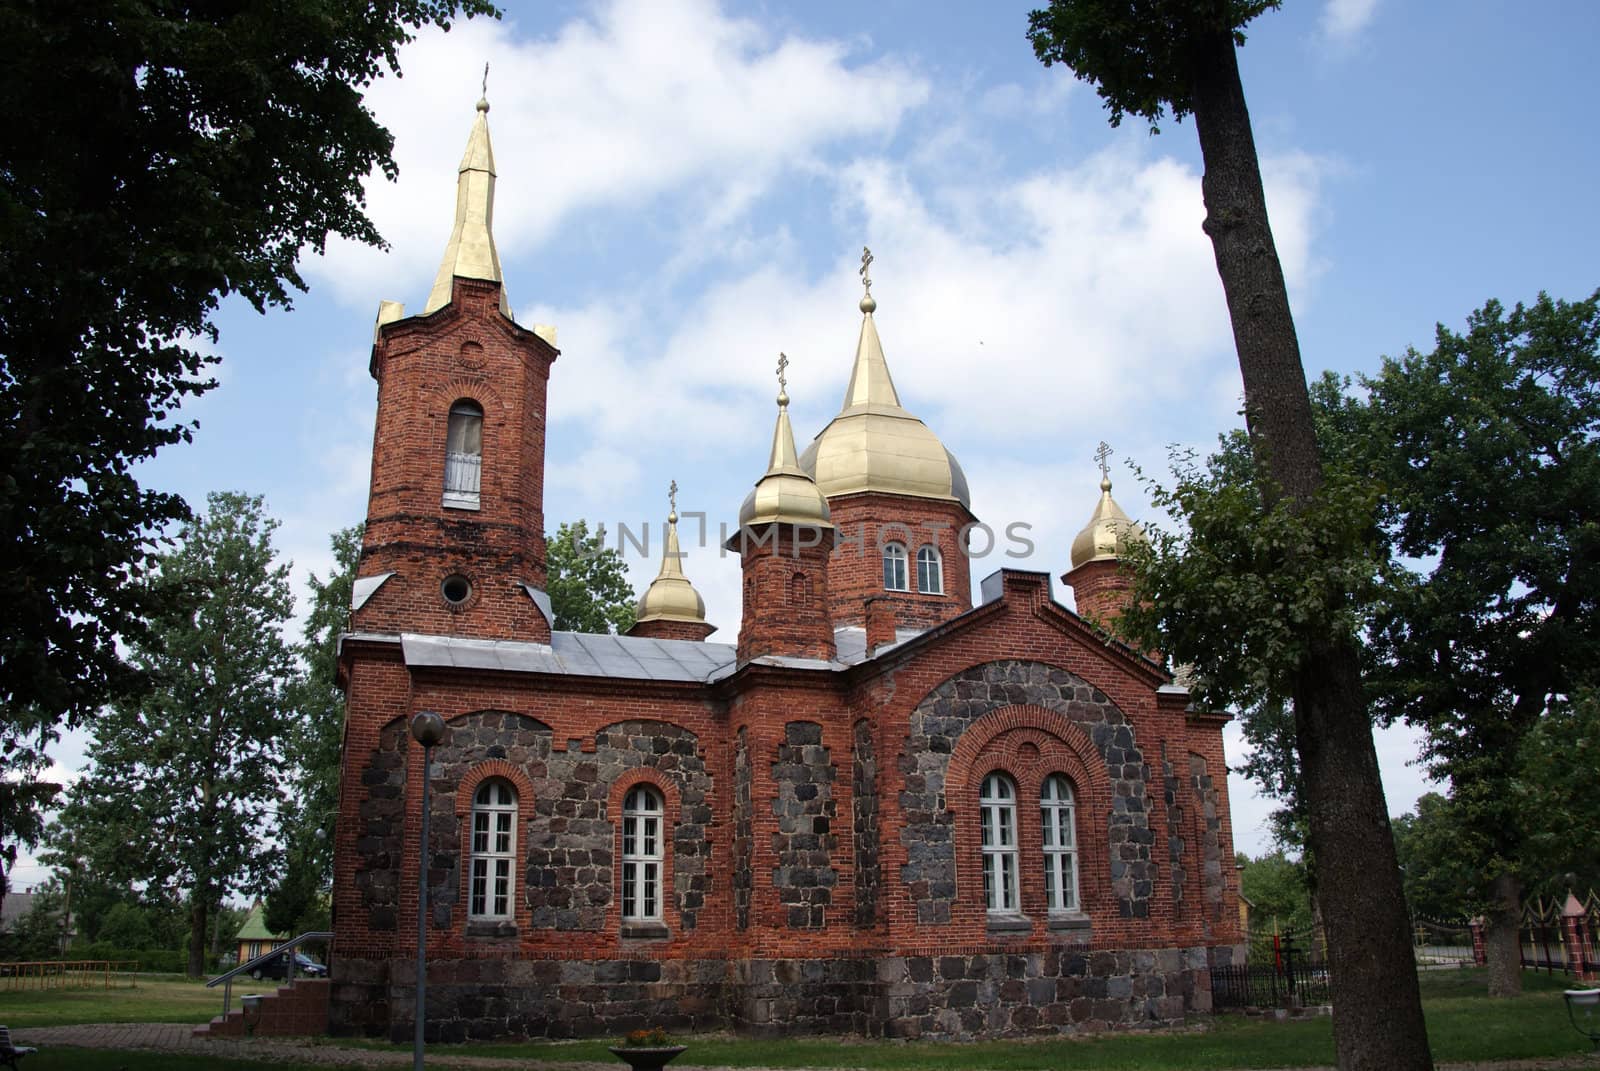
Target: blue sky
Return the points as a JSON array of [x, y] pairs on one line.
[[685, 187]]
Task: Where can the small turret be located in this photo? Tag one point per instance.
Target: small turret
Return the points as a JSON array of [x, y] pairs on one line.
[[785, 537], [1100, 585], [671, 609]]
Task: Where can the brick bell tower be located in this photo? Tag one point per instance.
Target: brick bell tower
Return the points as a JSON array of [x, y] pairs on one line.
[[455, 519], [784, 542]]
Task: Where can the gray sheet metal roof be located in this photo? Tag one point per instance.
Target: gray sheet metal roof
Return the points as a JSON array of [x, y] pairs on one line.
[[584, 654]]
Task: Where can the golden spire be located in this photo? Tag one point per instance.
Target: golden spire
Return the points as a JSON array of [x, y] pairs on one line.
[[1110, 532], [470, 253], [671, 597], [784, 493], [870, 382], [874, 444]]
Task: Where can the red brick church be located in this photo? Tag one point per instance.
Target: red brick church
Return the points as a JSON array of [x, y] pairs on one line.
[[885, 809]]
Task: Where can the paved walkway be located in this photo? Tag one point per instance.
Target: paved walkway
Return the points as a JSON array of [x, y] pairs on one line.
[[172, 1037]]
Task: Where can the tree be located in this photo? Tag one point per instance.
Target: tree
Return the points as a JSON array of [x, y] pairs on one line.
[[1277, 887], [1147, 57], [1434, 848], [309, 818], [183, 782], [588, 582], [1489, 447], [1556, 791], [156, 158]]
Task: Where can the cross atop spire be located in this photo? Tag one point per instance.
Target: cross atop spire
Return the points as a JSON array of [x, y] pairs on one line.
[[672, 500], [783, 383], [485, 93], [1101, 455], [868, 302]]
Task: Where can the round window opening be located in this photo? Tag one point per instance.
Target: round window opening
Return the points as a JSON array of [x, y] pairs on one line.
[[457, 589]]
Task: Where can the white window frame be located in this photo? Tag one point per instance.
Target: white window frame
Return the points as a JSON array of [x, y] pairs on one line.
[[930, 570], [1059, 838], [492, 884], [895, 576], [644, 857], [997, 814], [463, 469]]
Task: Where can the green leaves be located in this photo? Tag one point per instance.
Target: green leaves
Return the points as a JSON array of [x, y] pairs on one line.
[[588, 581], [185, 780], [1138, 54], [156, 157]]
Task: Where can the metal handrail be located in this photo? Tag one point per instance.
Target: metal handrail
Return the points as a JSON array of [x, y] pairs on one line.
[[226, 980]]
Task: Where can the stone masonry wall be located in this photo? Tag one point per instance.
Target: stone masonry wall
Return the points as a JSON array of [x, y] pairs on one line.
[[566, 882], [864, 825], [743, 837], [380, 843], [959, 996], [1213, 881], [805, 841], [939, 721]]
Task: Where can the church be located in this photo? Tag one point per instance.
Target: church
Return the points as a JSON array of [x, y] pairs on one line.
[[892, 806]]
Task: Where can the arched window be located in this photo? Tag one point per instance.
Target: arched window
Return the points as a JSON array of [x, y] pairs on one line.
[[997, 809], [494, 850], [894, 567], [463, 455], [641, 855], [1060, 844], [930, 571]]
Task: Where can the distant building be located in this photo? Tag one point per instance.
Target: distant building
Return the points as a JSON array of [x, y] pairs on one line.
[[884, 809], [254, 938]]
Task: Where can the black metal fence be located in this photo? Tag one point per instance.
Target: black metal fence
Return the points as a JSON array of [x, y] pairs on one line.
[[1282, 969]]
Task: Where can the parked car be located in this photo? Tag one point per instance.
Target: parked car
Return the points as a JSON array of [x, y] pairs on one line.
[[278, 967]]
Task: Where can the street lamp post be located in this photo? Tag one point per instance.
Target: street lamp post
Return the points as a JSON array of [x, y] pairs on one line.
[[427, 728]]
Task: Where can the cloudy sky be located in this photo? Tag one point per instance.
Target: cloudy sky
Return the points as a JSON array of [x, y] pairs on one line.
[[685, 187]]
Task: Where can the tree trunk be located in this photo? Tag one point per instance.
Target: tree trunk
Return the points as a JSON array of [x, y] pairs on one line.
[[197, 934], [1502, 929], [1378, 1023]]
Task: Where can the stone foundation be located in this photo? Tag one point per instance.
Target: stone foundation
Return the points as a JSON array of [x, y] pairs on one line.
[[958, 997]]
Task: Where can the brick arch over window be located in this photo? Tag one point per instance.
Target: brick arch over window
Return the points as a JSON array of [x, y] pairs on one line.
[[671, 811], [1060, 746], [1029, 744], [936, 747]]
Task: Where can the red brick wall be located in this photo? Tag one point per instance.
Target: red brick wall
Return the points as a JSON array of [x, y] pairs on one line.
[[863, 523], [786, 584], [1101, 590], [672, 630], [423, 365]]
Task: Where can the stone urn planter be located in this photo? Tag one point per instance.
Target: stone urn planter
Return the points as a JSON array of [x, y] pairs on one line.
[[647, 1058], [647, 1050]]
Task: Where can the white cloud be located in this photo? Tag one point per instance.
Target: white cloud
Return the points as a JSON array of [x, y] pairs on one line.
[[1342, 20], [643, 98]]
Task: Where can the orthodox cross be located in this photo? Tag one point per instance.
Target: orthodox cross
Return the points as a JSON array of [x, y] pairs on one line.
[[485, 79], [1101, 453], [866, 262], [783, 362], [672, 496]]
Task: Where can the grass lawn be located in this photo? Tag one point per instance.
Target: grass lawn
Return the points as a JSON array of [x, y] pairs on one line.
[[1463, 1025], [153, 998]]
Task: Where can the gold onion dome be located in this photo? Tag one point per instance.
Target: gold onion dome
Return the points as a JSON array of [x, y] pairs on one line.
[[670, 597], [1109, 533], [786, 494], [874, 444]]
